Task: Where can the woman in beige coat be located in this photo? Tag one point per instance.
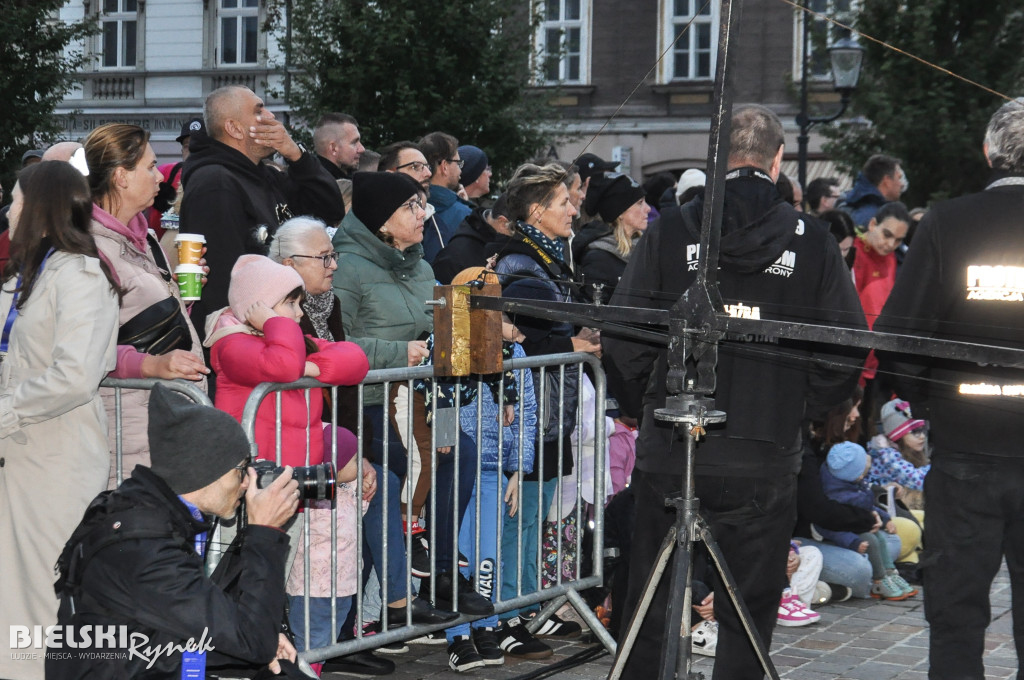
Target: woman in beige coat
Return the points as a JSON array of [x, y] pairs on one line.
[[53, 444], [124, 181]]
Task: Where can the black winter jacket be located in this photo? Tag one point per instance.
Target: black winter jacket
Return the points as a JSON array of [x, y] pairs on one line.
[[466, 248], [598, 260], [963, 279], [813, 506], [774, 264], [228, 198], [157, 587]]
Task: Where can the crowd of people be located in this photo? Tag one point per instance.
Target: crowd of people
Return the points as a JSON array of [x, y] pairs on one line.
[[316, 263]]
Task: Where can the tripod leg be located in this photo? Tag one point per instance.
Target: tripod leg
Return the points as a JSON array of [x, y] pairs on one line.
[[675, 655], [645, 602], [741, 607]]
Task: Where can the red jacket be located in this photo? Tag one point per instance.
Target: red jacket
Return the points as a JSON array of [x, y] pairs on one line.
[[243, 360], [874, 275]]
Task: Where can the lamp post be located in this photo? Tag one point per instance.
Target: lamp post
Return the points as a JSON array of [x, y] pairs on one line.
[[846, 57]]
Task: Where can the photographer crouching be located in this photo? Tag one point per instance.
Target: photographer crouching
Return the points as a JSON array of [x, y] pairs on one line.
[[135, 596]]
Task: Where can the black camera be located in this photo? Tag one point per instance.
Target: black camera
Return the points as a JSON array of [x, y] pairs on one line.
[[316, 482]]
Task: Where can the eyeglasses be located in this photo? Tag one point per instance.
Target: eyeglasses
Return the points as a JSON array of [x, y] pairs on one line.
[[242, 468], [414, 203], [417, 166], [326, 259], [457, 161]]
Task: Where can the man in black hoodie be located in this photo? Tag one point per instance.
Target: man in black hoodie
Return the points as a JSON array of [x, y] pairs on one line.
[[963, 279], [235, 200], [777, 264]]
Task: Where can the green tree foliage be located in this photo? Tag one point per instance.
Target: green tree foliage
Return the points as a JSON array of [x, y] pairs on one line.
[[934, 122], [404, 68], [36, 71]]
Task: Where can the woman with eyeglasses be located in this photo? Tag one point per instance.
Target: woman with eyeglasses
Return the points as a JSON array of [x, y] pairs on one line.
[[381, 283], [601, 249]]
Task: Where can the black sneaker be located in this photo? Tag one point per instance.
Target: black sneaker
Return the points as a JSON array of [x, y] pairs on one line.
[[462, 655], [470, 601], [486, 641], [435, 638], [420, 557], [515, 640], [558, 628], [840, 593]]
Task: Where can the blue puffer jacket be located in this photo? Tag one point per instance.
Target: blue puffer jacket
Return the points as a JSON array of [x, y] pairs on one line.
[[510, 435]]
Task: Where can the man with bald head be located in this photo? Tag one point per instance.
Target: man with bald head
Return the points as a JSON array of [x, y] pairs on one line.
[[234, 199], [61, 151]]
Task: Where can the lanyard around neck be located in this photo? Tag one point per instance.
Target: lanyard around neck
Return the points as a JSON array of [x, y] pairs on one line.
[[12, 313]]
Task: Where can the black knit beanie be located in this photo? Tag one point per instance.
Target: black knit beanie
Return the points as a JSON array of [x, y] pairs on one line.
[[377, 195], [609, 197], [191, 446]]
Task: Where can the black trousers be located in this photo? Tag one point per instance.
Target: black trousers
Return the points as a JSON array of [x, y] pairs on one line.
[[975, 519], [752, 520]]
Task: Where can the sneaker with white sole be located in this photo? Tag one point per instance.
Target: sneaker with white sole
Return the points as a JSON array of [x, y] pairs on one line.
[[704, 638], [435, 638], [793, 613], [486, 641], [822, 593], [462, 654], [515, 640]]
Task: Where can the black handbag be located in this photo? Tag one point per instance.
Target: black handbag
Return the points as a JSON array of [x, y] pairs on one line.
[[161, 327]]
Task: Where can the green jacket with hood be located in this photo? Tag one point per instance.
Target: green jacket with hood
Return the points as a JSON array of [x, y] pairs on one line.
[[382, 292]]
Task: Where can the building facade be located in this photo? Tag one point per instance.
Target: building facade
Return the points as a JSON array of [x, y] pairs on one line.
[[633, 79]]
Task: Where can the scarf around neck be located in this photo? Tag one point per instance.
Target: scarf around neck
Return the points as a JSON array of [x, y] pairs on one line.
[[552, 246], [318, 308]]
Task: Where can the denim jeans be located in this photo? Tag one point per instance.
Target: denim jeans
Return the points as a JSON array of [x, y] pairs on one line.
[[320, 633], [849, 568], [373, 532]]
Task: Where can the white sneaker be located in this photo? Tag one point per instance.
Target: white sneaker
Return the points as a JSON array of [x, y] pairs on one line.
[[822, 593], [704, 638]]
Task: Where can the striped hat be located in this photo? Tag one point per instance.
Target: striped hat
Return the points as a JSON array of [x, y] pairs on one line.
[[897, 420]]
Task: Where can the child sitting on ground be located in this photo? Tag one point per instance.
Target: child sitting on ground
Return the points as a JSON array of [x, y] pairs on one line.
[[843, 480]]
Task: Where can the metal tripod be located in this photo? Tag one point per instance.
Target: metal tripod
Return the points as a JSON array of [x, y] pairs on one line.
[[689, 415]]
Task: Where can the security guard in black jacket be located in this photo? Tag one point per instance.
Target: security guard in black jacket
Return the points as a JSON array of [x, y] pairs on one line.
[[775, 263], [963, 279], [134, 567]]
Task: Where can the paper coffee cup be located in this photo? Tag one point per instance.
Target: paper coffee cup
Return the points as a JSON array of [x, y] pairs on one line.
[[190, 281], [190, 247]]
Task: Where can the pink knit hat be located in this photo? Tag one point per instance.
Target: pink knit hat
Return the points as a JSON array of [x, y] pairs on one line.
[[256, 278]]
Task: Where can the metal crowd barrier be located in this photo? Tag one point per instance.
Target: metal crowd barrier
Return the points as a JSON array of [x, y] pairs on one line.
[[189, 389], [555, 367]]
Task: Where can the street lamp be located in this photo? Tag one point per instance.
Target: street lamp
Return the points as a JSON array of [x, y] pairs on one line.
[[846, 57]]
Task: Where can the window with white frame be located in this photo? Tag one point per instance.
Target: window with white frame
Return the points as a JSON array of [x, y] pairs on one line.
[[820, 34], [691, 28], [563, 41], [238, 32], [119, 33]]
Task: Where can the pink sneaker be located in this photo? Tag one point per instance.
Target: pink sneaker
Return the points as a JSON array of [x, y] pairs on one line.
[[793, 613]]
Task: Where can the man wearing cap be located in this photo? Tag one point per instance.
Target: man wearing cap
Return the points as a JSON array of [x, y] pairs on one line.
[[137, 558], [591, 165], [31, 157], [172, 176], [964, 280], [442, 152], [233, 199], [476, 171]]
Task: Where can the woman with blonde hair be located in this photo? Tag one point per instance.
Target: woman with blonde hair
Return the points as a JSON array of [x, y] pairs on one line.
[[601, 249], [155, 338]]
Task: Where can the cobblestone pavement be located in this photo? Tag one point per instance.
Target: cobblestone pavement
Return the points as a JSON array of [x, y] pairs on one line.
[[855, 640]]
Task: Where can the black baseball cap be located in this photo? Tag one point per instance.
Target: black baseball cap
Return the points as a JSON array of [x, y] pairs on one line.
[[193, 124], [591, 164]]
